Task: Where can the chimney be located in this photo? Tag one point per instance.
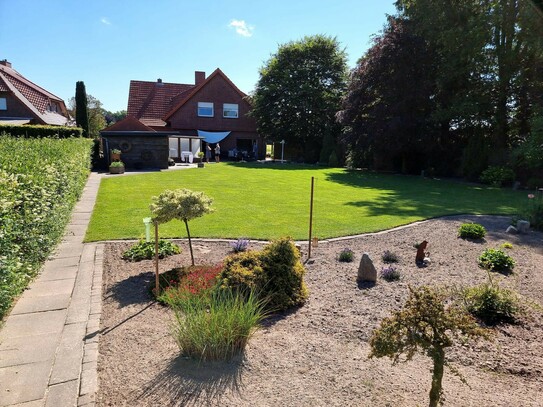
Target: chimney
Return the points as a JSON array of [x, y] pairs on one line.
[[199, 77], [8, 64], [159, 82]]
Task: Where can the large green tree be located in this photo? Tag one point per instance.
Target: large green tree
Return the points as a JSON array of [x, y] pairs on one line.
[[298, 94], [387, 107], [81, 113]]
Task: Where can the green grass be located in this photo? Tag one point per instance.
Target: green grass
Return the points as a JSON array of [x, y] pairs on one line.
[[264, 202]]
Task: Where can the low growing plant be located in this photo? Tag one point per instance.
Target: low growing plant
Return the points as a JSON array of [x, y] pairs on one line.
[[346, 255], [239, 245], [178, 283], [534, 211], [506, 245], [116, 164], [146, 250], [492, 304], [472, 231], [497, 176], [218, 326], [390, 273], [390, 257], [496, 260]]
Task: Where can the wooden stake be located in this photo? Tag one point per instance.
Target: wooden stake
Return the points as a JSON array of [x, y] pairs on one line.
[[311, 217], [157, 284]]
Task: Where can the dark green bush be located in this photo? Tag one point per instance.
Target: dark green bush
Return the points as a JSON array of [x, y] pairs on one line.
[[38, 131], [346, 255], [496, 260], [390, 257], [471, 231], [275, 273], [40, 181], [146, 250], [492, 304], [497, 176]]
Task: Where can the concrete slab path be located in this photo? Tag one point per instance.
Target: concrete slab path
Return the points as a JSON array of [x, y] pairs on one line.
[[49, 342]]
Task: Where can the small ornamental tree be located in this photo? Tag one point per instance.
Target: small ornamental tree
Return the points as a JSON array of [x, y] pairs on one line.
[[425, 325], [182, 204]]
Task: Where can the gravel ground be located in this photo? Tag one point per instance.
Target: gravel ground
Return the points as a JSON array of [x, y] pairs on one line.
[[318, 355]]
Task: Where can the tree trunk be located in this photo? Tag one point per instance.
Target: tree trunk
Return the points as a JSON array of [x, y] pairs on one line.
[[437, 376], [190, 242]]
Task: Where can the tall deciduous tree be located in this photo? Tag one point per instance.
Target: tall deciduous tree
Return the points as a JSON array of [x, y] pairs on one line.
[[389, 100], [299, 93], [81, 113]]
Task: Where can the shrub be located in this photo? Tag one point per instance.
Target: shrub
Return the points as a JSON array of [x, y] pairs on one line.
[[218, 326], [506, 245], [497, 176], [146, 250], [471, 231], [346, 255], [276, 273], [40, 182], [39, 131], [178, 283], [239, 245], [390, 273], [492, 304], [389, 257], [496, 260]]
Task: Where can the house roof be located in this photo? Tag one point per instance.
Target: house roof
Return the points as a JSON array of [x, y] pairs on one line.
[[33, 96], [153, 103], [150, 101], [197, 88], [129, 123]]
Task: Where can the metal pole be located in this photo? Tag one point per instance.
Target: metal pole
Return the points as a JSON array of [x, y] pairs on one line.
[[311, 217], [157, 284]]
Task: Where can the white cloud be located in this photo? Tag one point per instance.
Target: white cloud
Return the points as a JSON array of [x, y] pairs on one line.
[[105, 21], [242, 28]]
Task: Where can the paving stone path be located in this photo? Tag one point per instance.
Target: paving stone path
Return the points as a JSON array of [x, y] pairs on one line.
[[49, 342]]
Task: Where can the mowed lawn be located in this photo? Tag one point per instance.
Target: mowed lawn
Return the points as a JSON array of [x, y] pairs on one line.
[[269, 201]]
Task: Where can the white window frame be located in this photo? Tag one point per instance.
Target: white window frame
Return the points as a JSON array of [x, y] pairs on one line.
[[205, 105], [230, 107], [3, 104]]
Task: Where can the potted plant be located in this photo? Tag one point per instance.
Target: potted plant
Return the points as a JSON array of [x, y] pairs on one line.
[[116, 167], [201, 157], [115, 155]]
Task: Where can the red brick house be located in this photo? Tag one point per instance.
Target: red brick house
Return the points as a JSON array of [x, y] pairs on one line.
[[24, 102], [212, 110]]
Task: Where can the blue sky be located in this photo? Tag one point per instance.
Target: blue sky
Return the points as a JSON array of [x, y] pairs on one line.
[[106, 43]]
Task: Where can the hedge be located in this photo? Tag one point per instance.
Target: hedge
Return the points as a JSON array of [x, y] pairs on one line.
[[40, 182], [36, 131]]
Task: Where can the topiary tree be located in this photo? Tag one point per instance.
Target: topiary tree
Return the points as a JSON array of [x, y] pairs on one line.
[[425, 325], [182, 204], [81, 108]]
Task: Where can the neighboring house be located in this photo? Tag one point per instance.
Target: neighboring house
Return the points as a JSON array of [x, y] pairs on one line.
[[24, 102], [213, 110]]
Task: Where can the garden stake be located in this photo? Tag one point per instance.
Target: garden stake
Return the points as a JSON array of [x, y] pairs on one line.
[[157, 286], [311, 217]]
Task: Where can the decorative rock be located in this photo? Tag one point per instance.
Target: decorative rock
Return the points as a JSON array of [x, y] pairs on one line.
[[523, 226], [511, 230], [366, 270]]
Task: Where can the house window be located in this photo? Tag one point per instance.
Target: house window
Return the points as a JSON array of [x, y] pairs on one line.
[[230, 110], [3, 104], [205, 109]]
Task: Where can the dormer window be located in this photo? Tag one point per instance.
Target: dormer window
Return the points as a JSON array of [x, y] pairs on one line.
[[230, 111], [205, 109], [52, 107], [3, 104]]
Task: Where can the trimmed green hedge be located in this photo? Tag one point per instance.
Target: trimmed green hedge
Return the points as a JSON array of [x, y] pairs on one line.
[[36, 131], [40, 181]]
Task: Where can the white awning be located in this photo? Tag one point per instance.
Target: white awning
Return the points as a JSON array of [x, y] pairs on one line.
[[213, 136]]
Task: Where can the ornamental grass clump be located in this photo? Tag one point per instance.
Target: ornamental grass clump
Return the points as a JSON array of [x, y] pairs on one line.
[[496, 260], [390, 273], [473, 231], [218, 326], [239, 245], [346, 255], [146, 250]]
